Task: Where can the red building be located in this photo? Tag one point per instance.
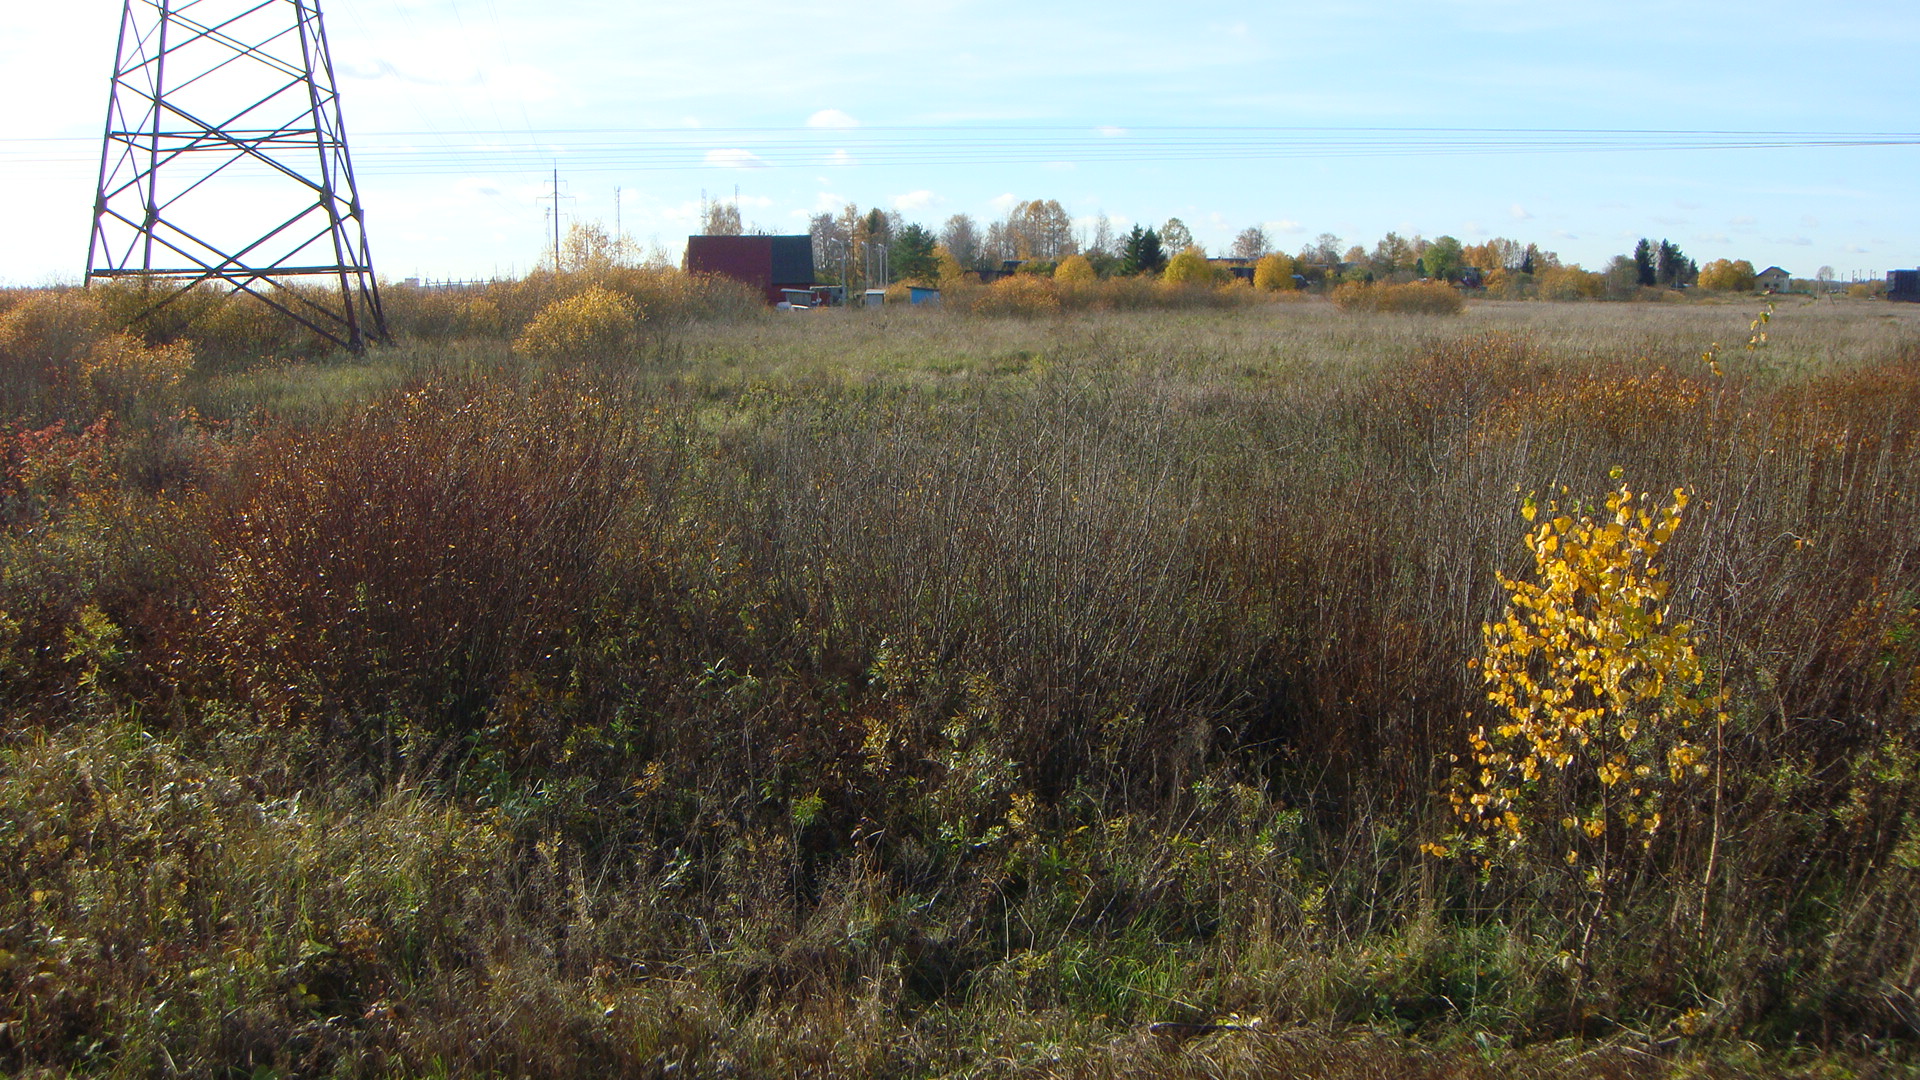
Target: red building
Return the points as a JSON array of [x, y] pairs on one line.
[[768, 263]]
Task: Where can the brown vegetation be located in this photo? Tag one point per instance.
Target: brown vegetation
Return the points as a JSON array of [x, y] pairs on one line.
[[601, 718]]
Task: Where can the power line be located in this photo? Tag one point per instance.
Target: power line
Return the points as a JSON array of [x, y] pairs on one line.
[[679, 149]]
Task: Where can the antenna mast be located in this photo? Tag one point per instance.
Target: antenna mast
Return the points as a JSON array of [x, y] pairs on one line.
[[225, 161]]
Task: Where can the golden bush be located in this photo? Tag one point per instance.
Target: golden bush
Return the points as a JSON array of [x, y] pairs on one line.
[[1018, 295], [597, 322], [1724, 275], [1075, 270], [1190, 267], [1274, 273], [43, 338], [1413, 298], [124, 373], [1597, 695], [1571, 283]]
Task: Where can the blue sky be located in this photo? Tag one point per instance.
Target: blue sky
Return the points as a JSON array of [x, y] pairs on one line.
[[459, 110]]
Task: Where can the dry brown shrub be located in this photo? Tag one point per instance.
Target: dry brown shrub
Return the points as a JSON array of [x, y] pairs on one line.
[[418, 558]]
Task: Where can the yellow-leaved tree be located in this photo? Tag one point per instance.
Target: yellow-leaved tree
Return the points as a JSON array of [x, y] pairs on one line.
[[1274, 273], [1727, 275], [1598, 698], [1190, 267], [1075, 270]]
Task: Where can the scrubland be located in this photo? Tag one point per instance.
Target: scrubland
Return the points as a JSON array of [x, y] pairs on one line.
[[1075, 690]]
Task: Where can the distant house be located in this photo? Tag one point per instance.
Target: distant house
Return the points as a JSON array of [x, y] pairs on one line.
[[1772, 279], [770, 264], [1240, 269], [1008, 268], [1903, 285]]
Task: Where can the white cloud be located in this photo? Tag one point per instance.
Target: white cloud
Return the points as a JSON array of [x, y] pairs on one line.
[[475, 187], [1519, 213], [841, 157], [1810, 221], [1109, 131], [1712, 238], [1743, 222], [735, 159], [1474, 228], [1286, 225], [914, 200], [1004, 203], [828, 203], [832, 118]]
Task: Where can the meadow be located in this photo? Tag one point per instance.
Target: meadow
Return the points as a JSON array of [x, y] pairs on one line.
[[1101, 687]]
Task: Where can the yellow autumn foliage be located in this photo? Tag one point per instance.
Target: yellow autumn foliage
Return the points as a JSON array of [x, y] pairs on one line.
[[1597, 695], [1075, 270], [597, 322], [1190, 267], [1274, 273]]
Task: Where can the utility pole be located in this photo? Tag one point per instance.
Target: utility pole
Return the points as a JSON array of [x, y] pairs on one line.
[[555, 198]]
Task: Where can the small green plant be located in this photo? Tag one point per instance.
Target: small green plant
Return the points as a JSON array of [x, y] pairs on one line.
[[1597, 695]]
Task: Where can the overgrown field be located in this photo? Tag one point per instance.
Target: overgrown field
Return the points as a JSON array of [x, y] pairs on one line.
[[913, 693]]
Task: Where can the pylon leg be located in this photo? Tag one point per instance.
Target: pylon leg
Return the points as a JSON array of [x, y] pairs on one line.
[[225, 162]]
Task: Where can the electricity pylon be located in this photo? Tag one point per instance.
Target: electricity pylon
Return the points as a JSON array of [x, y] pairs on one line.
[[225, 161]]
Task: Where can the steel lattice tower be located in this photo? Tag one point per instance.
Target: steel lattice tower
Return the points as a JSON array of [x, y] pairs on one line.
[[225, 160]]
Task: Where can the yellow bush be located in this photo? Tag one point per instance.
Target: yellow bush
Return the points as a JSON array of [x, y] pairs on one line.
[[1596, 694], [1075, 270], [123, 372], [1722, 275], [1571, 283], [1021, 294], [952, 274], [43, 338], [597, 322], [1504, 284], [1274, 273], [1190, 267], [1413, 298]]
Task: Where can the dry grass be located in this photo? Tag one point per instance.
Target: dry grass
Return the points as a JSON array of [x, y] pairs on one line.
[[920, 693]]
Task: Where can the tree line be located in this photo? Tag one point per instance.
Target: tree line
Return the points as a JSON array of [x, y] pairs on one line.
[[879, 247]]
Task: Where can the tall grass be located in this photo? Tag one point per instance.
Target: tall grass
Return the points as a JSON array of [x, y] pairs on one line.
[[920, 692]]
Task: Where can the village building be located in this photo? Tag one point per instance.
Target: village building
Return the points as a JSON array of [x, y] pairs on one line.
[[771, 264]]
